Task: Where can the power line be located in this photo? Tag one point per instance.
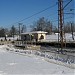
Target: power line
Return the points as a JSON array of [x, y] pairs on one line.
[[70, 13], [40, 12], [67, 4], [36, 13]]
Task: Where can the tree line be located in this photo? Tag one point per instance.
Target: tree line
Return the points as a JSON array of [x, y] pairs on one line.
[[40, 25], [12, 31], [45, 25]]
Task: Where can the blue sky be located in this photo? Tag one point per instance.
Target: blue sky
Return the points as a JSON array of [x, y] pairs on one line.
[[12, 11]]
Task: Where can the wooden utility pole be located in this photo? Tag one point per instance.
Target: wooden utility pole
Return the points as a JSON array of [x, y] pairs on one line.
[[20, 29], [61, 35], [60, 22], [72, 31]]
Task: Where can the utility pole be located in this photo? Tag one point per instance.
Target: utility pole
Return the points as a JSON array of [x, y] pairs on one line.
[[60, 22], [72, 31], [51, 29], [20, 29]]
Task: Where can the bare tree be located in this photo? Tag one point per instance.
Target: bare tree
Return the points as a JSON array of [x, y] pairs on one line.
[[2, 32], [23, 29], [13, 31], [42, 25]]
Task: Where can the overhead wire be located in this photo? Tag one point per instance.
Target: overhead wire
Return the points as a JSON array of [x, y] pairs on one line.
[[41, 12], [36, 13], [67, 4]]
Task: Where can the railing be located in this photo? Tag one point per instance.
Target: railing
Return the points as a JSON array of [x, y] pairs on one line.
[[5, 42]]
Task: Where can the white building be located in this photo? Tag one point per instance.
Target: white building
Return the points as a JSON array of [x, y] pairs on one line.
[[33, 36]]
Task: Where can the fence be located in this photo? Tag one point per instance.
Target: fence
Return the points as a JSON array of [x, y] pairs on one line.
[[5, 42]]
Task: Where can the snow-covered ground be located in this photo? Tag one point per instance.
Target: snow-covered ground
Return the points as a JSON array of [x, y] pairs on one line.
[[8, 38], [51, 38], [54, 37], [24, 64]]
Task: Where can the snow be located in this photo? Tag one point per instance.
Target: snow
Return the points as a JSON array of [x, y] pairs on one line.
[[54, 37], [39, 32], [10, 38], [12, 62], [51, 38]]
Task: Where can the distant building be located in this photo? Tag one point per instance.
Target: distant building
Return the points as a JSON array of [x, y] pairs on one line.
[[33, 36]]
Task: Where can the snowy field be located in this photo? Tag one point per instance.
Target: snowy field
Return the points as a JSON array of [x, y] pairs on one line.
[[51, 38], [54, 37], [14, 63]]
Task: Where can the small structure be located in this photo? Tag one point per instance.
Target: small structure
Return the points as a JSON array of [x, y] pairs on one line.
[[33, 36]]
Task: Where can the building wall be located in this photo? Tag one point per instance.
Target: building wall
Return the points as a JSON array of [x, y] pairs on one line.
[[25, 37], [39, 36], [35, 37]]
